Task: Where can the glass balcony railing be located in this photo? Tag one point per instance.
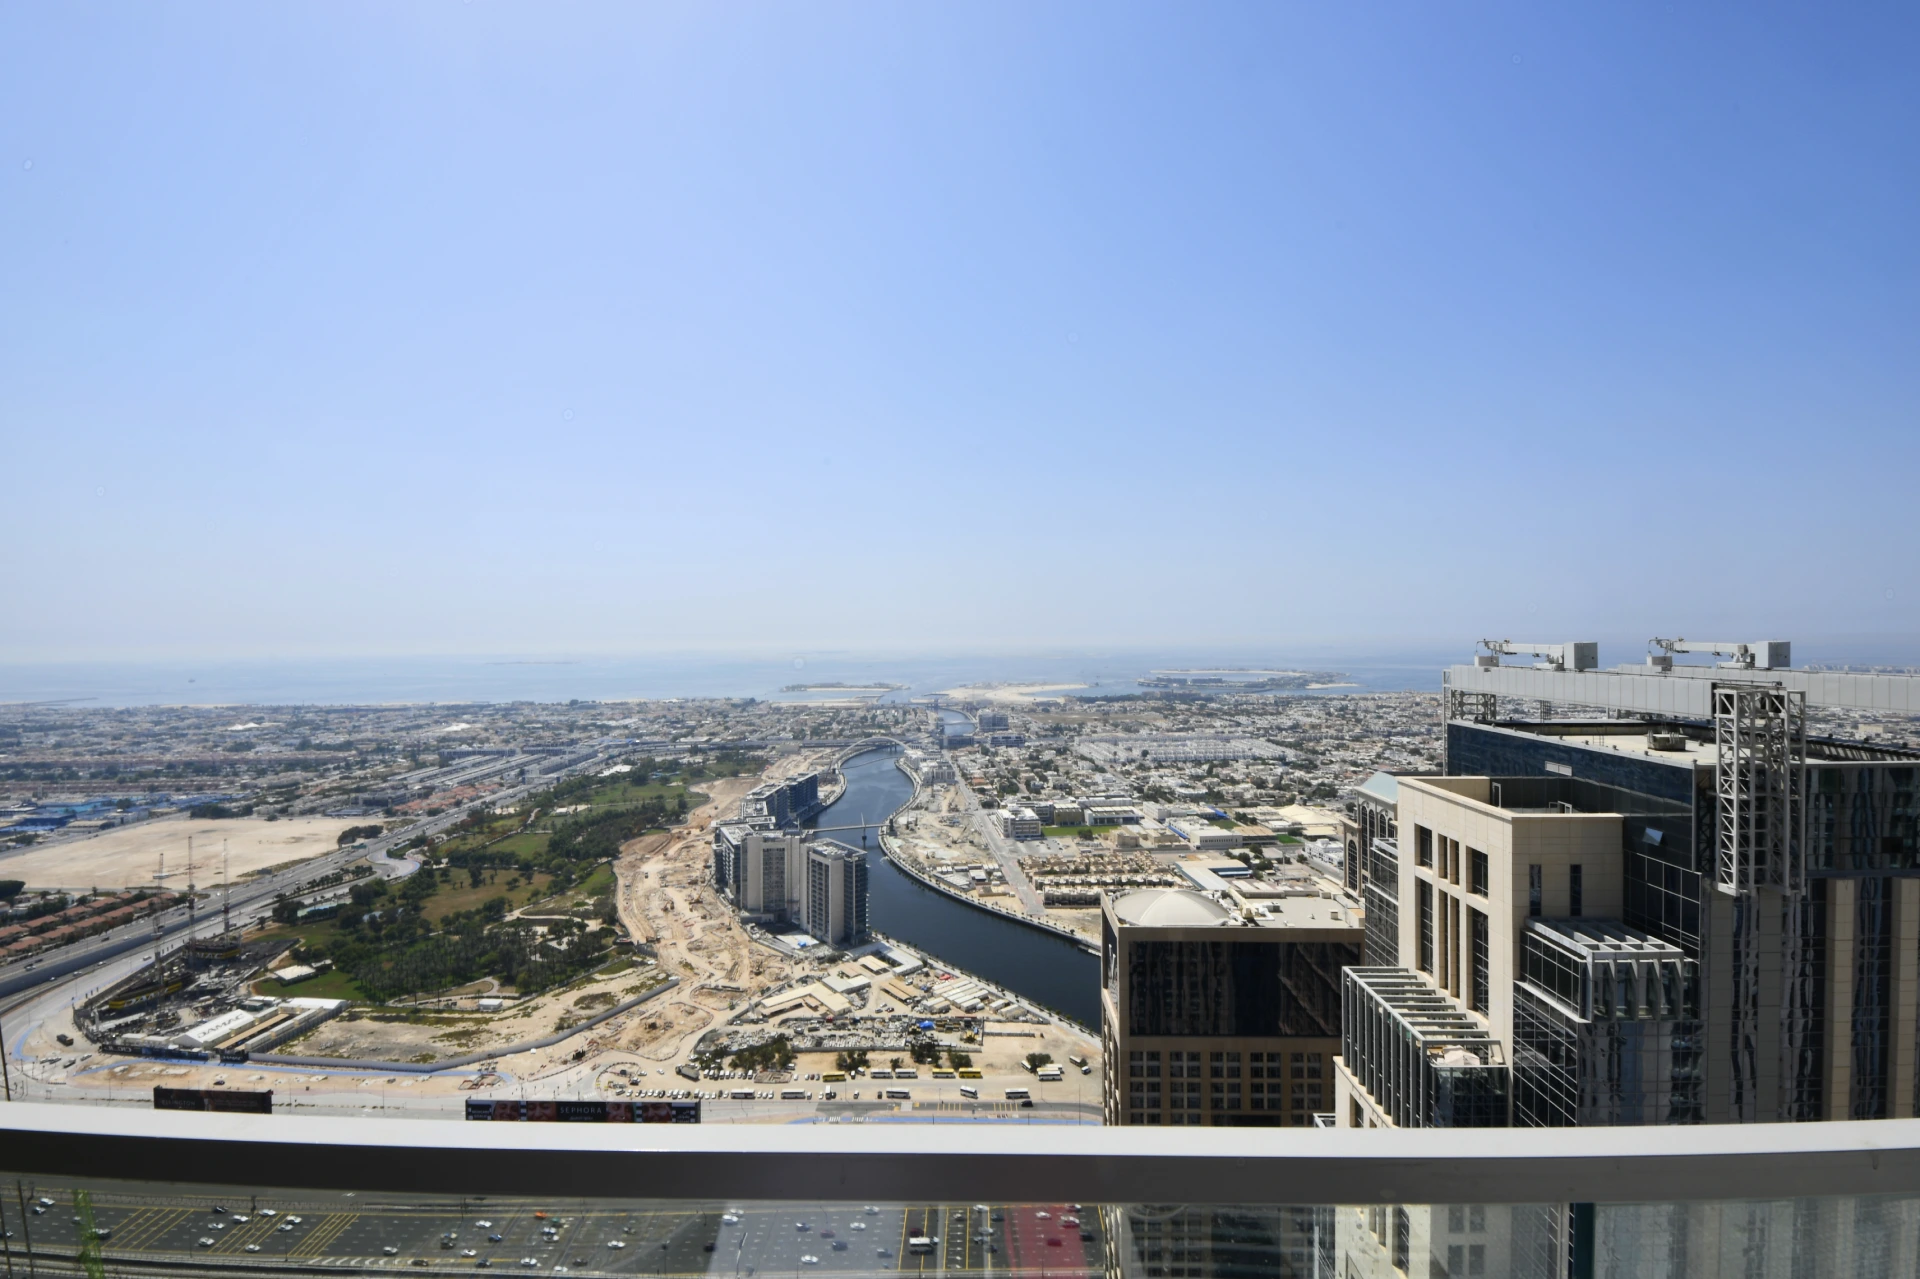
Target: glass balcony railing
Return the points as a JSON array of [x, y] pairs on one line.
[[117, 1193]]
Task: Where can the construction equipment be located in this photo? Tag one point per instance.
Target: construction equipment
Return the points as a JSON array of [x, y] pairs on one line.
[[1763, 655], [1583, 655]]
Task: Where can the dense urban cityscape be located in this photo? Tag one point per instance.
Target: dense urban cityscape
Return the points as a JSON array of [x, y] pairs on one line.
[[1502, 905]]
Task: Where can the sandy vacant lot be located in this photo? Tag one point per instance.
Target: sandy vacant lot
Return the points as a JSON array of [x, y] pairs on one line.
[[127, 856]]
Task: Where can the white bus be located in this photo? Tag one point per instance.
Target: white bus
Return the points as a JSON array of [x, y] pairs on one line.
[[898, 1094], [919, 1243], [793, 1094], [970, 1092], [1019, 1094]]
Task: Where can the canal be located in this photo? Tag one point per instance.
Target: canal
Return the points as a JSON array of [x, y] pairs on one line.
[[1038, 966]]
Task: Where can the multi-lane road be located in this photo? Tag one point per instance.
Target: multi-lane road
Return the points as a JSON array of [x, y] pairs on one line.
[[35, 988], [253, 1229]]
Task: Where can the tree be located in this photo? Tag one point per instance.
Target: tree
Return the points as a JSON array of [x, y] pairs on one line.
[[1034, 1061], [895, 1063], [959, 1060]]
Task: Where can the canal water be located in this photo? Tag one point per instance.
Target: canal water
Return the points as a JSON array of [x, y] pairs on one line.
[[1038, 966]]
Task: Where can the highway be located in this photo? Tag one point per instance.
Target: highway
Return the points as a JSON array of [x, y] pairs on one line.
[[253, 1230], [40, 985]]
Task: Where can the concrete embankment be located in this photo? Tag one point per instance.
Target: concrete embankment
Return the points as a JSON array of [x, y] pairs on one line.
[[942, 886], [939, 885]]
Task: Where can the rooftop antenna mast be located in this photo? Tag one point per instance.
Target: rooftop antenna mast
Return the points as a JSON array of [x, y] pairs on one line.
[[226, 895], [160, 879], [193, 912]]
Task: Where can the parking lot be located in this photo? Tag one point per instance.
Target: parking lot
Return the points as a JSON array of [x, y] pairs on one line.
[[245, 1231]]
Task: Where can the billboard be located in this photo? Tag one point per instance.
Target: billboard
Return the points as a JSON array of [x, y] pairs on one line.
[[587, 1112], [223, 1099]]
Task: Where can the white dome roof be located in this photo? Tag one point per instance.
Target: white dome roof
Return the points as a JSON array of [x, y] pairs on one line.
[[1170, 908]]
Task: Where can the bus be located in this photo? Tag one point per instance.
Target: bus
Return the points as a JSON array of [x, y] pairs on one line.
[[834, 1077], [919, 1243], [1051, 1074], [1077, 1060], [1019, 1094], [880, 1074], [969, 1092], [968, 1073], [742, 1094], [898, 1094], [793, 1094]]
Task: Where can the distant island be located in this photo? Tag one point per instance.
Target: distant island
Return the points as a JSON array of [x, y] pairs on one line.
[[1241, 680], [837, 687]]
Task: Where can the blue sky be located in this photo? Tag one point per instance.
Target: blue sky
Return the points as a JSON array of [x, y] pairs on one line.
[[473, 327]]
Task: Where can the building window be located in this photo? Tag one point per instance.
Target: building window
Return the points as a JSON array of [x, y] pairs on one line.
[[1477, 1219], [1226, 1096], [1480, 987], [1476, 1259], [1477, 870], [1424, 891], [1456, 1259], [1533, 889], [1264, 1089], [1573, 889], [1422, 846], [1309, 1065], [1143, 1065]]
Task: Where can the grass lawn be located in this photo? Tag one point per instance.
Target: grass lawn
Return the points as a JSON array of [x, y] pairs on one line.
[[618, 793], [598, 884], [458, 894], [1067, 832], [528, 844]]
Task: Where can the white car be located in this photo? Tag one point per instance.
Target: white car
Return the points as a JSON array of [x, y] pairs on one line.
[[253, 1247], [468, 1252], [286, 1225], [268, 1212], [294, 1220], [206, 1241], [809, 1260], [484, 1225], [242, 1218], [529, 1261], [730, 1219], [391, 1251], [615, 1243], [858, 1225]]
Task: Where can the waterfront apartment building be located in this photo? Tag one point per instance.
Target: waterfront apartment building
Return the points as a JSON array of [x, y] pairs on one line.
[[785, 803], [791, 879], [836, 893], [1645, 895], [1223, 1010]]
